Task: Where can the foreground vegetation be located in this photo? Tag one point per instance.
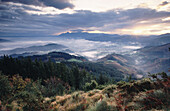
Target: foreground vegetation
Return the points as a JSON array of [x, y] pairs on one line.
[[18, 94], [27, 85]]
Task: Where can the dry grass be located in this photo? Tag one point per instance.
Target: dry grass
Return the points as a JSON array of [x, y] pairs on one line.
[[117, 98]]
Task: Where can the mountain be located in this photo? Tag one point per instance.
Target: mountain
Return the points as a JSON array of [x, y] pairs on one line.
[[34, 50], [153, 59], [103, 37], [89, 36], [57, 57], [160, 51], [161, 39], [152, 40], [122, 63]]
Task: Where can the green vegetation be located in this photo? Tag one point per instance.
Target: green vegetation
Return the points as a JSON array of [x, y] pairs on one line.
[[27, 85], [98, 68], [74, 60]]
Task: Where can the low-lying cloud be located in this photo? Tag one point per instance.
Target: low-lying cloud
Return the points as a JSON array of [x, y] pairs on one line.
[[91, 49]]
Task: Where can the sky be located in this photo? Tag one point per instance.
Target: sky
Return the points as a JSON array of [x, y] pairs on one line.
[[52, 17]]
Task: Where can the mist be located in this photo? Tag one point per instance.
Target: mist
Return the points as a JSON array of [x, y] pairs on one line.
[[92, 50]]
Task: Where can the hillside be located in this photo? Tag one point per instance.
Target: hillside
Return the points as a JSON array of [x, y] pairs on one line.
[[122, 63], [153, 59], [159, 51], [161, 39], [96, 69], [33, 50], [57, 57], [117, 66]]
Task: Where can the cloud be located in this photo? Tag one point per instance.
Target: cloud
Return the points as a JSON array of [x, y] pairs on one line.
[[59, 4], [15, 20], [164, 3]]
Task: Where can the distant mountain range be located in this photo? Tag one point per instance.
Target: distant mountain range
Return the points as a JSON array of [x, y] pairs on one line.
[[145, 40], [36, 50], [101, 37]]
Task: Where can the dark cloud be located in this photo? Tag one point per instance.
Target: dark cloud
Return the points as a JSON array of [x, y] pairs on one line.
[[120, 19], [16, 21], [164, 3], [60, 4], [4, 7]]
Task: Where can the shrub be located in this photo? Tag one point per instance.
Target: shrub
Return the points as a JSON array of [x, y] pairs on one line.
[[5, 88], [18, 84], [137, 86], [100, 87], [90, 86], [120, 83], [109, 89], [76, 95], [30, 98], [100, 106], [156, 99], [55, 86]]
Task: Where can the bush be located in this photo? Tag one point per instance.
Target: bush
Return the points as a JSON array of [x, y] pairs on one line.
[[30, 98], [120, 83], [5, 88], [156, 99], [136, 86], [100, 87], [18, 84], [100, 106], [55, 86], [109, 89], [90, 86]]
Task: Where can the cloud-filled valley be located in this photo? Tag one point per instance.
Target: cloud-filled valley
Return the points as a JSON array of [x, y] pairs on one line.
[[93, 50]]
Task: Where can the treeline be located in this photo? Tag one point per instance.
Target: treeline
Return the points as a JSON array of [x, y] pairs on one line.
[[75, 77]]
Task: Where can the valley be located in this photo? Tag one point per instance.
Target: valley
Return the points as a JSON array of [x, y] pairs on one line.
[[129, 54]]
